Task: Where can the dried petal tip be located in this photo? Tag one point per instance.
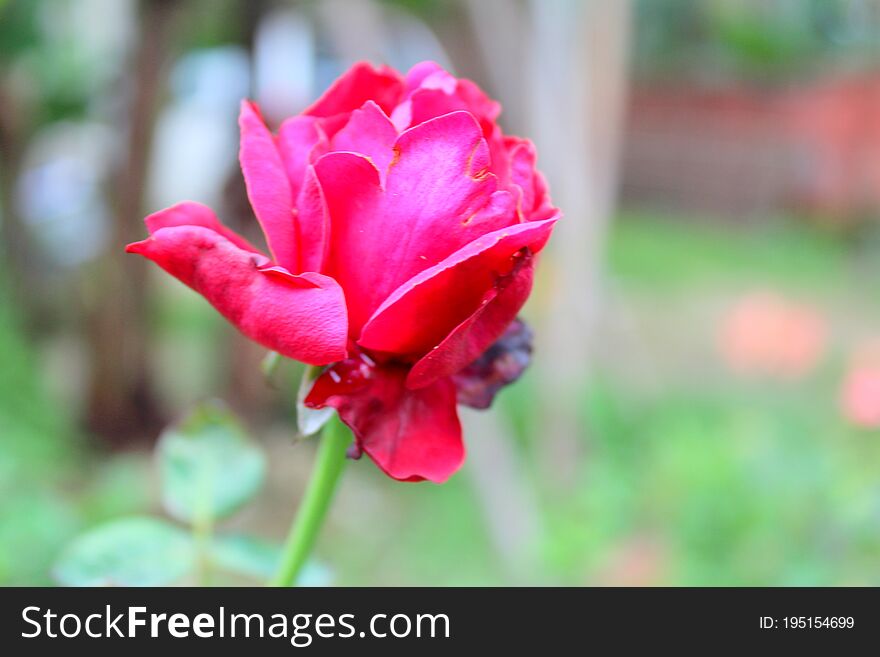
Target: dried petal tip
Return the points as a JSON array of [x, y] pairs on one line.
[[354, 452], [498, 366]]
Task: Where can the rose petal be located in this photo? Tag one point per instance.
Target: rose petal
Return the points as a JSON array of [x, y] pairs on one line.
[[410, 434], [475, 334], [190, 213], [360, 83], [422, 312], [300, 141], [313, 221], [517, 159], [427, 103], [267, 186], [432, 92], [437, 198], [301, 317], [420, 71], [368, 132]]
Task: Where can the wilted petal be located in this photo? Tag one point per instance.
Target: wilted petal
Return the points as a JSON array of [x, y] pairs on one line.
[[301, 317], [410, 434], [500, 365]]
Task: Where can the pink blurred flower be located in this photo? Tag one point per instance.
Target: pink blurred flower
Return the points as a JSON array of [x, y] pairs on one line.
[[860, 392], [767, 334]]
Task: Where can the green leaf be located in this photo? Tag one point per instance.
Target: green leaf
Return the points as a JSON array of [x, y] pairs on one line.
[[208, 465], [246, 555], [315, 574], [135, 551], [254, 557]]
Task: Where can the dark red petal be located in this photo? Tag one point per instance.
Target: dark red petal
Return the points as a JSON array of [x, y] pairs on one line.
[[422, 312], [500, 365], [410, 434], [360, 83], [267, 186], [190, 213], [301, 317]]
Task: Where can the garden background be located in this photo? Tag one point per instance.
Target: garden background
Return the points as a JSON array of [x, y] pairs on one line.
[[704, 400]]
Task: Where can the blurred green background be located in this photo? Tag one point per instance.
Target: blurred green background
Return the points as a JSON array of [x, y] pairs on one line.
[[672, 430]]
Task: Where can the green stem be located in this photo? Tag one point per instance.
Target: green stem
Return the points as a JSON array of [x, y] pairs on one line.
[[328, 466], [203, 530], [203, 527]]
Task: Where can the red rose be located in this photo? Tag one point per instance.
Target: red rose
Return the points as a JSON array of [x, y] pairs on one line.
[[402, 226]]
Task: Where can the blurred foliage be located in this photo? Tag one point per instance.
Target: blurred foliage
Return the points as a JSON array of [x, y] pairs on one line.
[[671, 253], [23, 406], [56, 74], [49, 487], [127, 552], [33, 450], [18, 28], [208, 468], [733, 489], [753, 40]]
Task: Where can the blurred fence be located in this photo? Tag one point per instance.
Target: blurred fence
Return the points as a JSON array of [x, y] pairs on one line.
[[813, 147]]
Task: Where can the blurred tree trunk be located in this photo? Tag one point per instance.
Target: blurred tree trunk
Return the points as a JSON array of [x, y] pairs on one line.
[[121, 403], [11, 149], [14, 243], [579, 77], [506, 496], [499, 30], [355, 28]]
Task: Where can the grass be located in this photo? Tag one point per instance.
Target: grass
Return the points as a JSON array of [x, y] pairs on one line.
[[668, 252]]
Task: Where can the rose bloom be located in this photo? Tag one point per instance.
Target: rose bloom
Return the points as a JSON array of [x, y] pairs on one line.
[[766, 334], [860, 392], [402, 227]]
